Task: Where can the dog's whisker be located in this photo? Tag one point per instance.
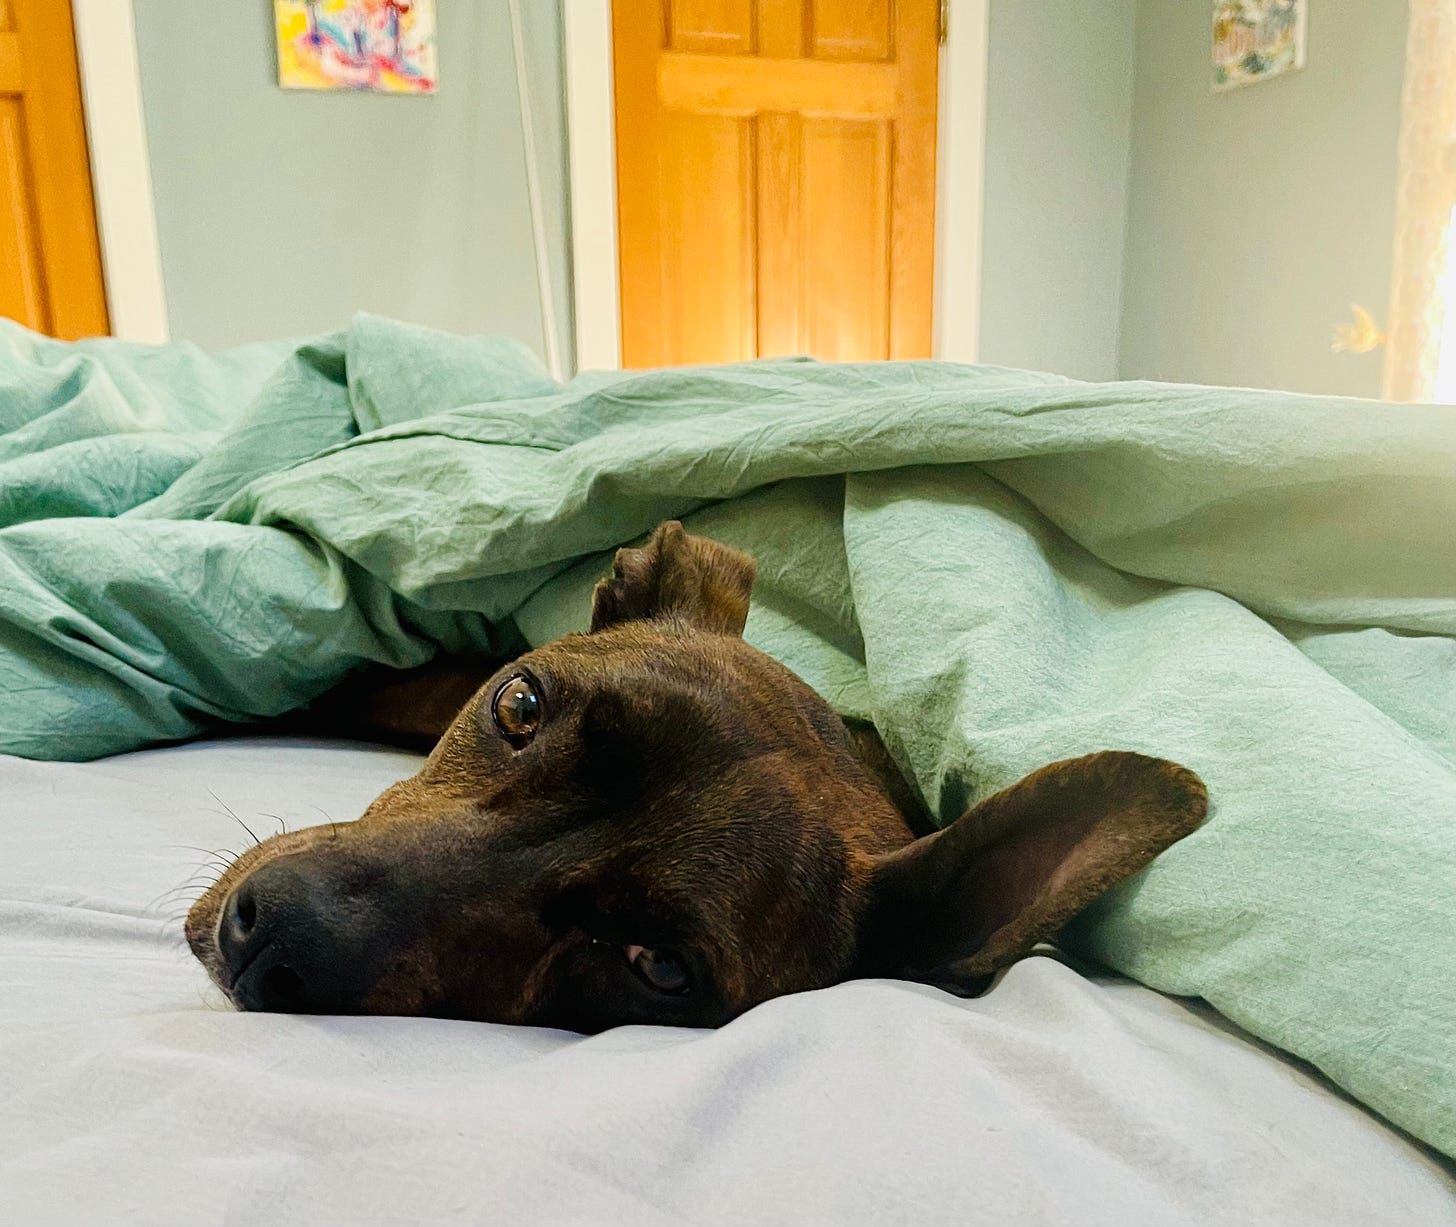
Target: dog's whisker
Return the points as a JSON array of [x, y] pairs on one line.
[[152, 909], [206, 872], [165, 897], [282, 826], [212, 867], [205, 876], [168, 917], [174, 898], [233, 816], [159, 901], [169, 933], [217, 852], [227, 813], [327, 817]]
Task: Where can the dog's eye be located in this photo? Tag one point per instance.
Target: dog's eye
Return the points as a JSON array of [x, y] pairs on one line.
[[516, 711], [661, 969]]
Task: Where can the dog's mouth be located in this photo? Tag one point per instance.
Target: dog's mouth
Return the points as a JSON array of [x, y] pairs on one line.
[[228, 984]]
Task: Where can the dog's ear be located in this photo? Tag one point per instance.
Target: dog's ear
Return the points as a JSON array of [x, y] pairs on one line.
[[952, 907], [677, 576]]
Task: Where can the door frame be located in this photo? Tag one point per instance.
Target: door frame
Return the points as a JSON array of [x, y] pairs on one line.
[[592, 154], [121, 170]]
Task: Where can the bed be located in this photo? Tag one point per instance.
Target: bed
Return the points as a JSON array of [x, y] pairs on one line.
[[998, 568], [133, 1095]]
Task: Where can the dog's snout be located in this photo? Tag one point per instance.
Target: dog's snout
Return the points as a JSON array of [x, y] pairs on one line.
[[287, 944]]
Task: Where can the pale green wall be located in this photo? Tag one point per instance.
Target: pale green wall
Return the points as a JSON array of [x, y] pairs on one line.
[[1256, 217], [282, 213], [1058, 121]]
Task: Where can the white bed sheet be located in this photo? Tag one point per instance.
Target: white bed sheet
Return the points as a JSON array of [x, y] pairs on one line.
[[128, 1094]]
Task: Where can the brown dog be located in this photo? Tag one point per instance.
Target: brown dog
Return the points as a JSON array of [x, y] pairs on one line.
[[656, 823]]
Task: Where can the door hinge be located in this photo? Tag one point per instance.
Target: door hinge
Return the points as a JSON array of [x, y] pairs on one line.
[[944, 20]]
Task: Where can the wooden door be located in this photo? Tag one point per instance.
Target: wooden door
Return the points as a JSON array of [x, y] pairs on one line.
[[775, 177], [50, 258]]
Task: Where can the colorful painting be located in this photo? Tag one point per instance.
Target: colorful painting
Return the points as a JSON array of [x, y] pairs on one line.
[[1254, 40], [383, 45]]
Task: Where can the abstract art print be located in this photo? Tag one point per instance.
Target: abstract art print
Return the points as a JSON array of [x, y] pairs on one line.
[[1254, 40], [382, 45]]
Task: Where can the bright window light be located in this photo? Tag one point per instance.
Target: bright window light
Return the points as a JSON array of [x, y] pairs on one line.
[[1446, 363]]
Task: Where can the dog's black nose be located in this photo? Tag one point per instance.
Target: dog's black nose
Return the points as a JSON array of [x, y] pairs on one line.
[[285, 947]]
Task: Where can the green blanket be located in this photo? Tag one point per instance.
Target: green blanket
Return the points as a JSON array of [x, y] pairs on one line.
[[1001, 568]]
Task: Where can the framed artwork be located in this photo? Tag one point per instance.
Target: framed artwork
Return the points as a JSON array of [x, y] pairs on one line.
[[383, 45], [1254, 40]]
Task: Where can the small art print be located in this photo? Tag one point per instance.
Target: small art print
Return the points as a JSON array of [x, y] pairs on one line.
[[1254, 40], [382, 45]]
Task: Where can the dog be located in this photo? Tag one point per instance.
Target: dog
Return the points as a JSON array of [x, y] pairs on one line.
[[653, 822]]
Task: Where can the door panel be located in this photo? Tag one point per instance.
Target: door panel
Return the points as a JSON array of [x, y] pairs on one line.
[[781, 286], [775, 178], [708, 237], [846, 178], [22, 275], [724, 26], [50, 257], [852, 31]]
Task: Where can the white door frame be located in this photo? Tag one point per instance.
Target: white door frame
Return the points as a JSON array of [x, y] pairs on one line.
[[960, 171], [121, 171]]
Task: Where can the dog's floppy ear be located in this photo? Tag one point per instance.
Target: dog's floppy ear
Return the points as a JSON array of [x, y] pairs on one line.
[[951, 908], [677, 576]]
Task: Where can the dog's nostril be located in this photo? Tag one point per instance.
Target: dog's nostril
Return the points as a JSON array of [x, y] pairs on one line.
[[238, 925], [286, 943], [246, 908]]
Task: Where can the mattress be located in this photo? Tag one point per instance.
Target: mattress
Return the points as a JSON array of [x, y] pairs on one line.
[[132, 1094]]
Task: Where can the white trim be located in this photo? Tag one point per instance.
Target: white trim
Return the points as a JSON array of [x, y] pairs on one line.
[[960, 182], [960, 174], [544, 292], [121, 175], [592, 150]]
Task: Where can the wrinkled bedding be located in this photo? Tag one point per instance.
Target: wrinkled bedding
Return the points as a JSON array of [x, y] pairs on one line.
[[1000, 568], [133, 1097]]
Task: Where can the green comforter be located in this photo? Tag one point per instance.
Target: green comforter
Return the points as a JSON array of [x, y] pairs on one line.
[[1002, 568]]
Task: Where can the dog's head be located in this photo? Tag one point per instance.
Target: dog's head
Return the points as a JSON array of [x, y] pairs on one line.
[[654, 822]]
